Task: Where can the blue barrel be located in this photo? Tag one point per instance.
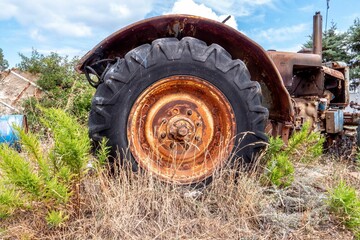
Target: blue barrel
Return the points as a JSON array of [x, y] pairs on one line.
[[7, 132]]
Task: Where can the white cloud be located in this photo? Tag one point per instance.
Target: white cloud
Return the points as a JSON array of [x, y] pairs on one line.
[[76, 18], [8, 10], [238, 8], [307, 8], [36, 35], [281, 34], [66, 28], [291, 48], [190, 7], [87, 18], [120, 10]]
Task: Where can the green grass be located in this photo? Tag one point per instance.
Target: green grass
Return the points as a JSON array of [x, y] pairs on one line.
[[303, 146], [280, 171], [9, 201], [56, 218], [345, 204], [45, 179]]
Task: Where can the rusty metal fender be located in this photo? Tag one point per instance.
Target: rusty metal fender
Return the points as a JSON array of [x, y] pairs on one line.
[[261, 67]]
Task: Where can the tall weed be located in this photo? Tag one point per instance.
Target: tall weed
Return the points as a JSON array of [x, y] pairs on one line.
[[45, 178], [344, 202], [303, 146]]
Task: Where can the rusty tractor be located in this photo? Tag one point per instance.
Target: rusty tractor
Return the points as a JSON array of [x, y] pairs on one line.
[[180, 96]]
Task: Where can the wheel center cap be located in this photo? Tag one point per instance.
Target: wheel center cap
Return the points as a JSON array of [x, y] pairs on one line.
[[182, 131], [181, 128]]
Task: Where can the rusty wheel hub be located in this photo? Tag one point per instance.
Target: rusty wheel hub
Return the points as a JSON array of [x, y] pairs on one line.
[[181, 128]]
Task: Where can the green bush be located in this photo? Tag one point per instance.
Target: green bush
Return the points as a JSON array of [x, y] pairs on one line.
[[38, 177], [10, 200], [80, 104], [72, 145], [280, 171], [345, 204], [55, 72], [56, 218], [103, 152], [64, 87], [303, 146]]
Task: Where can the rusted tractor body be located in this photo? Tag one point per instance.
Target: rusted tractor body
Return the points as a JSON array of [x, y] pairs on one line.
[[187, 112]]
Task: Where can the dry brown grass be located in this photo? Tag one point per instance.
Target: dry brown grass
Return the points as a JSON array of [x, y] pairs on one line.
[[137, 206], [131, 205]]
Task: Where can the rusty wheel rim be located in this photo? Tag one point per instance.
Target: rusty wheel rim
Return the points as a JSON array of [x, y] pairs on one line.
[[181, 128]]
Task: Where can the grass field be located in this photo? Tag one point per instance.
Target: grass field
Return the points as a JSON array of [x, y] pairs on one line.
[[131, 205]]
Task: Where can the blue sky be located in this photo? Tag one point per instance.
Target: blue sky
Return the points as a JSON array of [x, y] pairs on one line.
[[73, 27]]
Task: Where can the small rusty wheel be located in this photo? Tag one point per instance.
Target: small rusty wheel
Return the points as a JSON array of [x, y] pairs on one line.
[[179, 109], [181, 128]]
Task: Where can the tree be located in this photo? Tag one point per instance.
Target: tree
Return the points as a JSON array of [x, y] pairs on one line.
[[354, 48], [342, 46], [354, 38], [65, 88], [55, 71], [334, 45], [3, 62]]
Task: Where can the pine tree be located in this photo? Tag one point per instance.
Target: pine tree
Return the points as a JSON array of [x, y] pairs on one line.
[[334, 45]]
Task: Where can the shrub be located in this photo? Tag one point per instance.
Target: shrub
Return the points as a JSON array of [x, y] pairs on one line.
[[38, 177], [9, 200], [54, 71], [280, 171], [80, 103], [103, 152], [56, 218], [65, 88], [72, 145], [344, 202], [303, 146]]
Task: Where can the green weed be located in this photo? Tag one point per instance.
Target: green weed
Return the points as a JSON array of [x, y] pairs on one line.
[[9, 201], [19, 172], [303, 146], [41, 177], [103, 152], [280, 171], [56, 218], [344, 202]]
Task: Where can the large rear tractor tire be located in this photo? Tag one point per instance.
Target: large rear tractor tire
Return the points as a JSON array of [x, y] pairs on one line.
[[179, 109]]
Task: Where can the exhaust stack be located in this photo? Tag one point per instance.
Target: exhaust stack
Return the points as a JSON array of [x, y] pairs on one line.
[[317, 34]]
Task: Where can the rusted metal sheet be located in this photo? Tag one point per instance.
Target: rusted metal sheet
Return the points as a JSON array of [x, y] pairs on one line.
[[16, 86], [286, 62], [336, 82], [334, 73], [260, 66], [282, 130]]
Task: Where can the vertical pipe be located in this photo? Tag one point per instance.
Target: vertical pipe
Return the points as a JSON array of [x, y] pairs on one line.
[[317, 33]]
